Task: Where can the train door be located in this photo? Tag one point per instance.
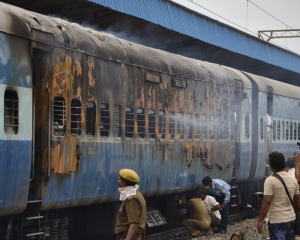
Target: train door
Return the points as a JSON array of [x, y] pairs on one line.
[[269, 125]]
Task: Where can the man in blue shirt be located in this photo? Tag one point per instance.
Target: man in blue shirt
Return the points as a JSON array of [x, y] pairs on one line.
[[221, 191]]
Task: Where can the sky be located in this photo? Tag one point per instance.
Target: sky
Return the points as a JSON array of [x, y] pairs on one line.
[[251, 19]]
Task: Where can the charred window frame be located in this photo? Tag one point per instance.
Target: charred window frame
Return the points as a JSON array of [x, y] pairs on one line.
[[287, 131], [180, 126], [298, 131], [117, 121], [76, 110], [104, 120], [261, 129], [141, 122], [225, 127], [59, 116], [295, 131], [198, 127], [232, 127], [291, 130], [212, 128], [190, 126], [11, 112], [274, 130], [162, 124], [90, 118], [204, 126], [283, 130], [129, 122], [171, 125], [151, 124], [278, 130], [247, 127]]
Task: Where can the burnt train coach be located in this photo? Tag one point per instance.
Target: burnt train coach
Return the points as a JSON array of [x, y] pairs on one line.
[[79, 105]]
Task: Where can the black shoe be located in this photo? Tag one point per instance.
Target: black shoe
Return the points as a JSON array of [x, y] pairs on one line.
[[222, 231]]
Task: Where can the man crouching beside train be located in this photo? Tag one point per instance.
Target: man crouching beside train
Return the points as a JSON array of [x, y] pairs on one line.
[[131, 220], [276, 202], [221, 191]]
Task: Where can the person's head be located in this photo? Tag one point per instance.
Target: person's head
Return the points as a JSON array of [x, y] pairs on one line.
[[277, 161], [127, 177], [207, 182], [290, 163], [270, 109], [203, 193]]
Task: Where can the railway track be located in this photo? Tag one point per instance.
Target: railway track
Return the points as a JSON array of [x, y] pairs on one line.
[[182, 234]]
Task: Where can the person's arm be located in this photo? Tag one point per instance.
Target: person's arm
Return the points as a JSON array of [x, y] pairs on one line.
[[263, 211], [215, 208], [133, 227], [296, 160], [226, 190], [296, 199]]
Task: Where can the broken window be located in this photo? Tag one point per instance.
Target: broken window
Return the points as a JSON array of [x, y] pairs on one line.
[[117, 121], [295, 131], [151, 123], [287, 131], [190, 126], [11, 112], [90, 118], [162, 124], [225, 127], [247, 128], [104, 120], [298, 131], [274, 130], [291, 130], [76, 117], [59, 116], [283, 132], [129, 122], [172, 126], [278, 130], [180, 126], [198, 127], [141, 122], [261, 129], [204, 121], [232, 127]]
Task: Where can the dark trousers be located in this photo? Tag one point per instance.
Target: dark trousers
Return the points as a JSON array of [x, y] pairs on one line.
[[224, 213]]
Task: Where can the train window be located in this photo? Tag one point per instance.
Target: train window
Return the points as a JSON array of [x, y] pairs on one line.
[[261, 129], [283, 132], [198, 127], [180, 126], [162, 124], [117, 121], [90, 118], [141, 122], [295, 131], [225, 128], [232, 125], [11, 112], [129, 122], [172, 125], [298, 131], [190, 126], [274, 130], [204, 126], [59, 116], [291, 130], [219, 127], [212, 129], [247, 127], [104, 120], [151, 123], [278, 130], [76, 108], [287, 131]]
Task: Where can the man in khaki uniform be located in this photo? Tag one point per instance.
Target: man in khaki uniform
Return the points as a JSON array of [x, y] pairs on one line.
[[131, 222], [200, 223]]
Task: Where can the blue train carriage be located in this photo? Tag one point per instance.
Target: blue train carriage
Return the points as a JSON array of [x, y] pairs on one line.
[[285, 100], [16, 122]]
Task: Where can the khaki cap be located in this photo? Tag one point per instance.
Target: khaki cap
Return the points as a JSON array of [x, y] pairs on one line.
[[129, 175]]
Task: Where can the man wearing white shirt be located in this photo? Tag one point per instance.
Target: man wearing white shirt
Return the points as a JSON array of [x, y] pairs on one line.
[[213, 208]]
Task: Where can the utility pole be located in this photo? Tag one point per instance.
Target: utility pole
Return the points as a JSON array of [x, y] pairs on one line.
[[286, 33]]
